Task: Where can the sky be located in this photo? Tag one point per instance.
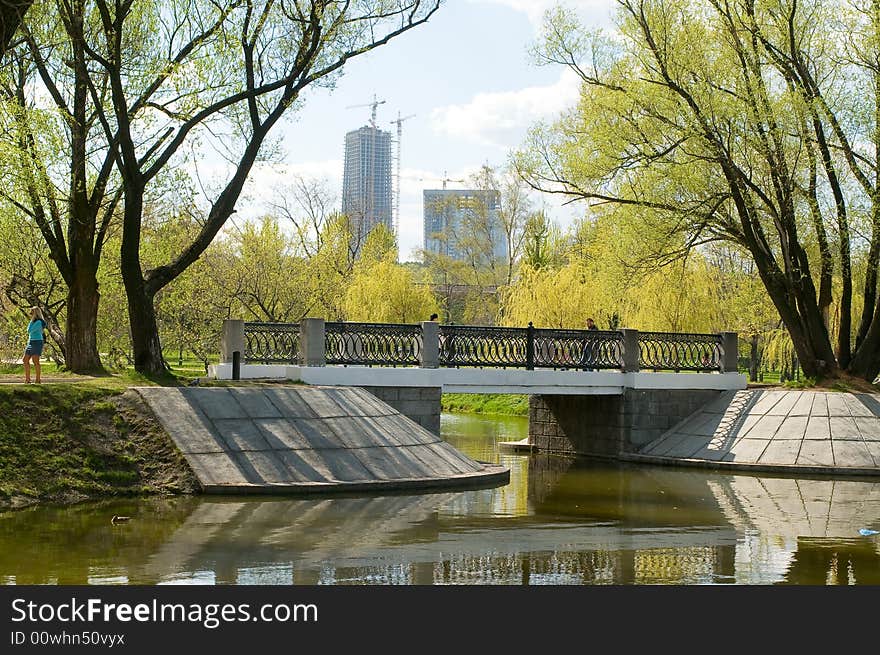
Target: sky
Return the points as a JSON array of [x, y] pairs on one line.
[[467, 83]]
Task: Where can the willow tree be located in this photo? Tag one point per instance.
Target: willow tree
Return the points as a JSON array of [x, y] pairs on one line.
[[165, 78], [749, 122]]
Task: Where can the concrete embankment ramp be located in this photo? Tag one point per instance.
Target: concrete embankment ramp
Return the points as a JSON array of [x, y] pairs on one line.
[[293, 439], [798, 431]]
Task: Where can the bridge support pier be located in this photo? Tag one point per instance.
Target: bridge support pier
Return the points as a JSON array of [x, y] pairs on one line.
[[421, 404], [609, 425]]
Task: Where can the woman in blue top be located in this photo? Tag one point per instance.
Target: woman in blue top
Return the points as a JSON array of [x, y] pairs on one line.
[[35, 345]]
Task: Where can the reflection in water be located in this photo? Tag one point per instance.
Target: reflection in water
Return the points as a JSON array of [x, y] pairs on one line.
[[559, 521]]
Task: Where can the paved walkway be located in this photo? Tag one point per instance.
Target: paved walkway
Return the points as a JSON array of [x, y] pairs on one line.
[[18, 379], [287, 439], [783, 430]]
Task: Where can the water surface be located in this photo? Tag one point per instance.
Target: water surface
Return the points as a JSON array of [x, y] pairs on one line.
[[558, 521]]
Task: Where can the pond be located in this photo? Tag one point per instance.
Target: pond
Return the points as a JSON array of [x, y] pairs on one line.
[[559, 521]]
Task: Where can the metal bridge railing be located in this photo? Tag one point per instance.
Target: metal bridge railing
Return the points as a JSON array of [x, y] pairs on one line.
[[312, 342], [372, 344], [271, 343], [670, 351]]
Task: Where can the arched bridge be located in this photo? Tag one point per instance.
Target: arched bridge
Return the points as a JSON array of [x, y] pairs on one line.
[[477, 359], [631, 385]]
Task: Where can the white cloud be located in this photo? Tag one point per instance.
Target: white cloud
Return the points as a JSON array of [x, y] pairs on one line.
[[594, 10], [266, 178], [502, 119]]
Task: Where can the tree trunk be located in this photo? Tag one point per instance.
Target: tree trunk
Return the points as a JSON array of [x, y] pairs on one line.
[[148, 357], [81, 346], [753, 359], [147, 349]]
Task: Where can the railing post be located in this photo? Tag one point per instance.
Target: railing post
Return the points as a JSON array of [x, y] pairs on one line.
[[530, 347], [730, 350], [236, 365], [430, 351], [311, 340], [232, 340], [630, 350]]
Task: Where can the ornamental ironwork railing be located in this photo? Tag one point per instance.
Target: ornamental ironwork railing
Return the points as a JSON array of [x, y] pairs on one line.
[[271, 343], [478, 345], [370, 344], [672, 351], [380, 344], [578, 349], [530, 347]]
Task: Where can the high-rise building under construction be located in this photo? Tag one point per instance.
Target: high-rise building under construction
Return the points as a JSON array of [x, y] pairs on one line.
[[366, 182]]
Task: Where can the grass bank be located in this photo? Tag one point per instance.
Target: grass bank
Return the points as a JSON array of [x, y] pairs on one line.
[[478, 403], [93, 438]]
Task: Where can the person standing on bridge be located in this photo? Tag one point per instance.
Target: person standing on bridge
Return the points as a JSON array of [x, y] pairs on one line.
[[35, 345], [589, 356]]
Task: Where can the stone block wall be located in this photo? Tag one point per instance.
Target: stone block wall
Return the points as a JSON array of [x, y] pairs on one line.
[[421, 404], [609, 425]]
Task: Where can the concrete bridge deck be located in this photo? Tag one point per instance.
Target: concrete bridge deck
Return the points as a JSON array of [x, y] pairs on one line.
[[486, 380]]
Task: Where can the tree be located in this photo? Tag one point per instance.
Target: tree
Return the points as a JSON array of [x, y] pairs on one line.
[[28, 278], [743, 122], [11, 14], [164, 77], [385, 292], [57, 172], [541, 242], [508, 220]]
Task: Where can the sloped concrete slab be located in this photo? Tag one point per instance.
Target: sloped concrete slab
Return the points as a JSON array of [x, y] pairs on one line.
[[356, 404], [869, 428], [749, 451], [785, 404], [850, 453], [781, 452], [431, 461], [784, 430], [844, 427], [368, 400], [384, 465], [856, 406], [321, 402], [765, 427], [255, 403], [358, 432], [216, 468], [215, 403], [318, 433], [803, 406], [262, 467], [178, 416], [874, 450], [289, 403], [820, 405], [308, 439], [406, 434], [818, 427], [792, 427], [241, 434], [816, 453]]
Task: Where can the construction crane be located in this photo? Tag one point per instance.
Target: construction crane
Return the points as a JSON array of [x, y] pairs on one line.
[[373, 104], [399, 123], [443, 179]]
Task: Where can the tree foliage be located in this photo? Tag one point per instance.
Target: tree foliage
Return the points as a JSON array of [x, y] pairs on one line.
[[753, 123], [136, 87]]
